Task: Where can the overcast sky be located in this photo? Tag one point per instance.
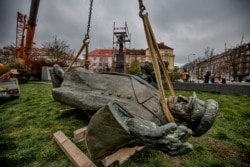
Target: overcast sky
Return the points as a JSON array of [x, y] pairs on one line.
[[188, 26]]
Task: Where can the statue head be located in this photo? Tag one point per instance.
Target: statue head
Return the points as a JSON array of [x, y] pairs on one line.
[[196, 114]]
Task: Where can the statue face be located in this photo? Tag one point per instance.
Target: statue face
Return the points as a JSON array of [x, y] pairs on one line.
[[180, 106], [180, 103]]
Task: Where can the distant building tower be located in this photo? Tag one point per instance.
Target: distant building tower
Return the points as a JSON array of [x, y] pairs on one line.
[[121, 36]]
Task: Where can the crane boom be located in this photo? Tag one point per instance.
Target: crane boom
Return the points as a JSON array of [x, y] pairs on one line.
[[24, 51]]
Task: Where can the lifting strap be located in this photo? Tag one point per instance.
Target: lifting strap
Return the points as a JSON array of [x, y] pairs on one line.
[[85, 43], [156, 60]]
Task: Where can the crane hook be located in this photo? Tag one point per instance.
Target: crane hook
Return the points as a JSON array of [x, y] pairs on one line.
[[141, 7]]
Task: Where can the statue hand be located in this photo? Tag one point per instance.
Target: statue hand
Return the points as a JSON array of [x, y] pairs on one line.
[[169, 138]]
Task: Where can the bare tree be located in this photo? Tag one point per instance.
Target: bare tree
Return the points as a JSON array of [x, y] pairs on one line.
[[199, 73], [58, 50], [7, 53], [233, 61]]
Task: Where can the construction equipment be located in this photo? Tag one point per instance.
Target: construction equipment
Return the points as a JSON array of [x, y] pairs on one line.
[[9, 86], [25, 32]]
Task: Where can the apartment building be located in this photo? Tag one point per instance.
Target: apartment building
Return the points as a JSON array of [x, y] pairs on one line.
[[167, 54], [233, 64], [100, 60]]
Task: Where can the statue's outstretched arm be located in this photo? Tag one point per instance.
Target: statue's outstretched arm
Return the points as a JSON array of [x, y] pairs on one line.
[[169, 138], [114, 127]]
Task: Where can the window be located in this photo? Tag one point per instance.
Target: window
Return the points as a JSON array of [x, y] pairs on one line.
[[166, 53]]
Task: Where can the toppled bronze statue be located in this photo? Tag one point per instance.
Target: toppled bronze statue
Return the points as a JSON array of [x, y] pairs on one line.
[[127, 112]]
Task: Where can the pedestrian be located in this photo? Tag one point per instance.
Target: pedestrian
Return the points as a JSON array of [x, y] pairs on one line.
[[207, 77], [1, 65], [212, 80], [184, 75], [223, 81]]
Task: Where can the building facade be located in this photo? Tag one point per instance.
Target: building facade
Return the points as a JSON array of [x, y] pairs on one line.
[[100, 60], [233, 64], [103, 59], [167, 54]]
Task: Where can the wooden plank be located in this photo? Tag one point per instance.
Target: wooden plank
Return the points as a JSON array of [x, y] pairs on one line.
[[68, 110], [121, 155], [79, 134], [77, 157]]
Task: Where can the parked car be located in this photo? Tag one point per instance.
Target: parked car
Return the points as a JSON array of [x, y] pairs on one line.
[[9, 88]]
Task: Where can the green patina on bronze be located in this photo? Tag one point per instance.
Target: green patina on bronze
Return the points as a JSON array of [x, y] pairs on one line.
[[127, 112]]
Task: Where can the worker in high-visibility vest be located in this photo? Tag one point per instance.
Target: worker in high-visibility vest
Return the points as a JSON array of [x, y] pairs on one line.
[[1, 65], [184, 75]]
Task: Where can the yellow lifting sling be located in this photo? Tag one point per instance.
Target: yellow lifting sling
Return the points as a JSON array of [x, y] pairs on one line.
[[156, 60]]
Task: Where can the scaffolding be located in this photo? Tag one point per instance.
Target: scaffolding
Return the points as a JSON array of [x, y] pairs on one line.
[[121, 37]]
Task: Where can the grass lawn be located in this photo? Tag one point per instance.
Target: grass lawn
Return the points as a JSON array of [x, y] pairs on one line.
[[28, 123]]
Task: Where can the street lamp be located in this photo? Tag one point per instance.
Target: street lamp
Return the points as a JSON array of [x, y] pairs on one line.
[[189, 66]]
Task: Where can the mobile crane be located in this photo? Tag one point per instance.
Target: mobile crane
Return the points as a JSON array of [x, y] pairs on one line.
[[24, 42], [9, 86]]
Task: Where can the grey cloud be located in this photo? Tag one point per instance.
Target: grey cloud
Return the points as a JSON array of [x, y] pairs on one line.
[[188, 26]]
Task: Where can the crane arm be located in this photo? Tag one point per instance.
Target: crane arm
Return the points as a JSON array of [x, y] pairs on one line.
[[31, 27], [25, 51]]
